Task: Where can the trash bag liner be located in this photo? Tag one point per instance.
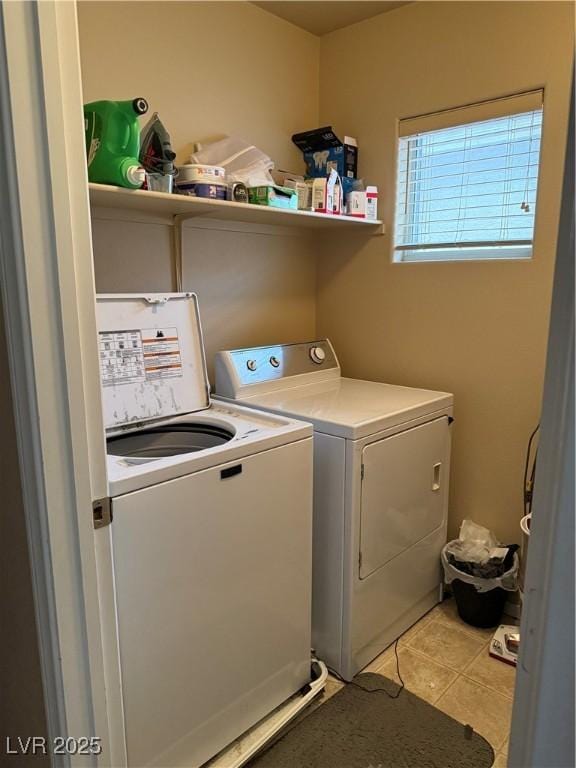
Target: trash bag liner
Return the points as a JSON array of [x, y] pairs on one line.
[[477, 558]]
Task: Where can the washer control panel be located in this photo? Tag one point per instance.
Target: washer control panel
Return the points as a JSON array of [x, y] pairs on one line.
[[261, 364]]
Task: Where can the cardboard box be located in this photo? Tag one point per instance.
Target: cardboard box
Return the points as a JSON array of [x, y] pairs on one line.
[[281, 177], [327, 194], [356, 204], [303, 191], [297, 182], [274, 196], [372, 203], [323, 151], [319, 195]]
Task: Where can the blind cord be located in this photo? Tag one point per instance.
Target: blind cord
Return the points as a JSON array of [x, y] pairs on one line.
[[525, 204]]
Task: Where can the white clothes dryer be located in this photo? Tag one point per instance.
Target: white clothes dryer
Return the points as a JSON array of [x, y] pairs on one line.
[[381, 471], [204, 545]]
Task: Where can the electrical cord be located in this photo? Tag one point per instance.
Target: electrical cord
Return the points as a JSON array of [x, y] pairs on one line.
[[528, 489], [377, 690], [532, 474]]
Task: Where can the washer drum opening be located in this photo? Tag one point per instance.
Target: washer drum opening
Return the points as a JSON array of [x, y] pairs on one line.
[[169, 440]]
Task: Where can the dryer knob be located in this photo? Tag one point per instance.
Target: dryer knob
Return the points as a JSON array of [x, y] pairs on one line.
[[251, 365], [274, 362], [317, 355]]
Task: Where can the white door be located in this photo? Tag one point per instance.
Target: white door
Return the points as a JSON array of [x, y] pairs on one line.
[[404, 491], [213, 589]]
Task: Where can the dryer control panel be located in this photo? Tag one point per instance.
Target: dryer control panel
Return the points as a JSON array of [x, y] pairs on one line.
[[257, 365]]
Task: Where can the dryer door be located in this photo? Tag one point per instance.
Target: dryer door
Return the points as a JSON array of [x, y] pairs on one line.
[[404, 491]]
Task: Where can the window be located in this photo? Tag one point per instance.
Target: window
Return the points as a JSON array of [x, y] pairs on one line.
[[467, 182]]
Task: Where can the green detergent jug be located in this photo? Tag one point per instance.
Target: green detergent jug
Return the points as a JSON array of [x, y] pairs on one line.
[[113, 142]]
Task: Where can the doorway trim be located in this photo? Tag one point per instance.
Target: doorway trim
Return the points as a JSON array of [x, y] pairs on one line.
[[543, 716], [48, 298]]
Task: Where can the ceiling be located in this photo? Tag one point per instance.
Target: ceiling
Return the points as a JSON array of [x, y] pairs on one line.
[[323, 16]]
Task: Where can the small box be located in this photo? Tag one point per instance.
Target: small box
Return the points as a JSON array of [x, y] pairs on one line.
[[356, 204], [274, 196], [349, 185], [327, 194], [294, 181], [303, 191], [319, 195], [281, 177], [323, 151], [372, 203]]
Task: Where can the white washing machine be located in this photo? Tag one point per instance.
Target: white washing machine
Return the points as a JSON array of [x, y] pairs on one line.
[[381, 470], [205, 557]]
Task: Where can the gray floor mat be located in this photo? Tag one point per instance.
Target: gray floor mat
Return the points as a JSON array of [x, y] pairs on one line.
[[360, 727]]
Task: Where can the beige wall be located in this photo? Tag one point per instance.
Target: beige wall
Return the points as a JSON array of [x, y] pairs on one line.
[[253, 288], [210, 69], [476, 329]]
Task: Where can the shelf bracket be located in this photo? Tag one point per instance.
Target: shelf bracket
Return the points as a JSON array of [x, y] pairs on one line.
[[177, 252]]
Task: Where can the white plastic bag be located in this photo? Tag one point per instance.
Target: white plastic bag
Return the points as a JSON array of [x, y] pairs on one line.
[[508, 580], [242, 161], [476, 544]]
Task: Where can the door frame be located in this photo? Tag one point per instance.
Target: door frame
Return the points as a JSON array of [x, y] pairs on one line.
[[543, 716], [47, 285], [48, 297]]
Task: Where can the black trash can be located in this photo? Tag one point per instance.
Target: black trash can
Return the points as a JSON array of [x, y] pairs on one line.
[[479, 609], [480, 600]]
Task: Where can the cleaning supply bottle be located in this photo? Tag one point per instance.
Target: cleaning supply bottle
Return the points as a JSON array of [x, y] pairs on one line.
[[113, 142]]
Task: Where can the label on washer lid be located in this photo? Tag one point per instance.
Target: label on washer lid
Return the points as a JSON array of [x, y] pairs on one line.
[[131, 357], [121, 357], [161, 353]]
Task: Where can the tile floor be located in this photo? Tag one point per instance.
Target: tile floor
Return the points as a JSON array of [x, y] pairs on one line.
[[446, 662]]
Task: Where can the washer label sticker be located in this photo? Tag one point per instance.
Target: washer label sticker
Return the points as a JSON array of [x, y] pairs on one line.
[[121, 358], [161, 350]]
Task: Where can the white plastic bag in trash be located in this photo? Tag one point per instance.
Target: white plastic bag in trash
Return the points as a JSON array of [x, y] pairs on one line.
[[242, 161], [476, 544], [479, 546], [508, 580]]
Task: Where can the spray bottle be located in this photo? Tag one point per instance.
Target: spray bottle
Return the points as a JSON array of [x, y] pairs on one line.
[[113, 142]]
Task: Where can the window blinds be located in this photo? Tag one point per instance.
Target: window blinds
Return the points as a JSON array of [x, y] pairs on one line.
[[467, 189]]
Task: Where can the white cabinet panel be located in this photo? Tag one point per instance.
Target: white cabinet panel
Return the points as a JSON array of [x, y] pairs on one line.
[[213, 579], [404, 492]]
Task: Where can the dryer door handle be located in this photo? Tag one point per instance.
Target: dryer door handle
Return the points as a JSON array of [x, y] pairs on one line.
[[436, 476]]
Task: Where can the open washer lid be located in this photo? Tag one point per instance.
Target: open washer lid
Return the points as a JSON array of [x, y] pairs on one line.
[[152, 362]]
